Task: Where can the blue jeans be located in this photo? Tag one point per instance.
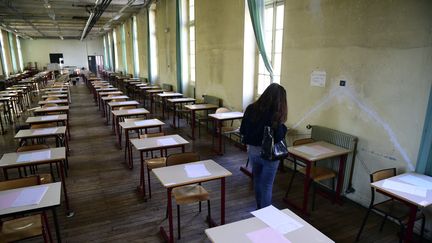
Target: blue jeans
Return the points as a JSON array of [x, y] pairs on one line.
[[264, 173]]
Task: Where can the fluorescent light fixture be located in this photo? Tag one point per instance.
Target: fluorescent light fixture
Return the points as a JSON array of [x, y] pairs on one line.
[[117, 17], [47, 5], [61, 37]]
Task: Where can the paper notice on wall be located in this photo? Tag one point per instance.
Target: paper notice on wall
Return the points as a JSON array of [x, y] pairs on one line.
[[318, 78]]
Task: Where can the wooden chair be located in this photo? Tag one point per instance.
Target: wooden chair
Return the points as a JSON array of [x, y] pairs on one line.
[[28, 226], [390, 208], [51, 98], [190, 193], [317, 174], [44, 177], [208, 99], [227, 130], [153, 163]]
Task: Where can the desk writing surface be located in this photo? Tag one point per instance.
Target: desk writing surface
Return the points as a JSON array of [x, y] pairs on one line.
[[115, 97], [236, 232], [153, 91], [227, 115], [39, 119], [50, 199], [170, 94], [141, 124], [59, 101], [55, 95], [149, 87], [40, 132], [176, 175], [16, 158], [158, 142], [201, 107], [181, 100], [129, 112], [329, 151], [106, 89], [413, 182], [51, 109], [123, 103], [110, 93]]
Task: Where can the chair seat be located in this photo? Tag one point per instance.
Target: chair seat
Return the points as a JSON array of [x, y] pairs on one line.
[[21, 228], [319, 173], [396, 209], [189, 194], [154, 163]]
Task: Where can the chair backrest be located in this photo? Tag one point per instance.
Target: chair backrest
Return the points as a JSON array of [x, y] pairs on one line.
[[129, 107], [18, 183], [181, 158], [50, 105], [43, 125], [133, 119], [167, 87], [51, 98], [303, 141], [382, 174], [32, 147], [208, 99], [118, 100], [222, 110], [151, 135]]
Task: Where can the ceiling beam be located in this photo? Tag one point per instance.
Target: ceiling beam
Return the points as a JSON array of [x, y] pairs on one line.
[[8, 4]]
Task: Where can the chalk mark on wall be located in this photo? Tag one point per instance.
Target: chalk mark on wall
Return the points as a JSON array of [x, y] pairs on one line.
[[339, 92]]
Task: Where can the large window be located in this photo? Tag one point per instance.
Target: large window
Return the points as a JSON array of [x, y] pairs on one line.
[[135, 46], [21, 62], [110, 52], [115, 51], [106, 57], [12, 52], [273, 21], [153, 43], [3, 55], [191, 25], [123, 44]]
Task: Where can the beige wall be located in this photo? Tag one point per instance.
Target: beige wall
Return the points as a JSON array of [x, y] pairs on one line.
[[142, 42], [129, 50], [7, 53], [75, 52], [219, 50], [383, 50]]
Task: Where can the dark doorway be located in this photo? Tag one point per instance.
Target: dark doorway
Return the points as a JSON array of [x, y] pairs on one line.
[[92, 64], [55, 57]]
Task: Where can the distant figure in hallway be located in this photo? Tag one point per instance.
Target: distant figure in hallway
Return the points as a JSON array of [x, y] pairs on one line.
[[269, 110]]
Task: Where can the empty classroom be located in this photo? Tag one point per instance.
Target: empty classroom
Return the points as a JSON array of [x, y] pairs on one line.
[[216, 121]]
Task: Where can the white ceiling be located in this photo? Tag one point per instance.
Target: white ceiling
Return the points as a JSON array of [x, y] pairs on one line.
[[66, 18]]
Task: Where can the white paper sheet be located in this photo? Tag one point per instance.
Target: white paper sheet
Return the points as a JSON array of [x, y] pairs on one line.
[[45, 118], [196, 170], [132, 111], [267, 235], [44, 131], [416, 181], [277, 220], [315, 150], [405, 188], [141, 123], [318, 78], [35, 156], [166, 141], [30, 196]]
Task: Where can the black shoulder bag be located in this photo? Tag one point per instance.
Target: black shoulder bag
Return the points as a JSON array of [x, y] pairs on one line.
[[271, 150]]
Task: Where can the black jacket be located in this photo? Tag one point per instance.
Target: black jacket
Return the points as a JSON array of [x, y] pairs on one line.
[[252, 131]]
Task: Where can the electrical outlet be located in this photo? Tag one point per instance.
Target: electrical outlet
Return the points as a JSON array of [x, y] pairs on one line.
[[342, 83]]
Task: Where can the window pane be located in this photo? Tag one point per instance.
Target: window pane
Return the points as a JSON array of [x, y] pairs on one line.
[[192, 61], [268, 19], [276, 79], [191, 13], [192, 48], [263, 82], [261, 67], [278, 41], [192, 74], [279, 16], [191, 33], [277, 64]]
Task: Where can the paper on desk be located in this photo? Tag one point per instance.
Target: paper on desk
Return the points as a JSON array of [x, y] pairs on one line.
[[141, 123], [416, 181], [44, 131], [314, 150], [132, 111], [7, 199], [166, 141], [196, 170], [34, 156], [277, 220], [406, 188], [45, 118], [30, 196], [267, 235]]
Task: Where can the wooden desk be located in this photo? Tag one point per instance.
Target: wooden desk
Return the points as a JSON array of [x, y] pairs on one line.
[[7, 102], [49, 201], [38, 157], [117, 114], [318, 151], [155, 143], [112, 105], [166, 95], [175, 101], [175, 176], [56, 92], [47, 119], [59, 133], [198, 107], [55, 95], [412, 200], [103, 100], [220, 118], [59, 101], [136, 125], [236, 232], [151, 93]]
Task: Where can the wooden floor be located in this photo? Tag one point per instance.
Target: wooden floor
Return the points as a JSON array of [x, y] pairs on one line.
[[108, 208]]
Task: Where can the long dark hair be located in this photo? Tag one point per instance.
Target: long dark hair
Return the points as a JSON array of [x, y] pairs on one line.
[[273, 100]]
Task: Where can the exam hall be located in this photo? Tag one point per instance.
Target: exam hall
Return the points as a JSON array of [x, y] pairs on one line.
[[120, 120]]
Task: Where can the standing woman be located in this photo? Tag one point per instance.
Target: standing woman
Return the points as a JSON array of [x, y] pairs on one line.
[[269, 110]]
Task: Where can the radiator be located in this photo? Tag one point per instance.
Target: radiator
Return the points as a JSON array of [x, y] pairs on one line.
[[319, 133]]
